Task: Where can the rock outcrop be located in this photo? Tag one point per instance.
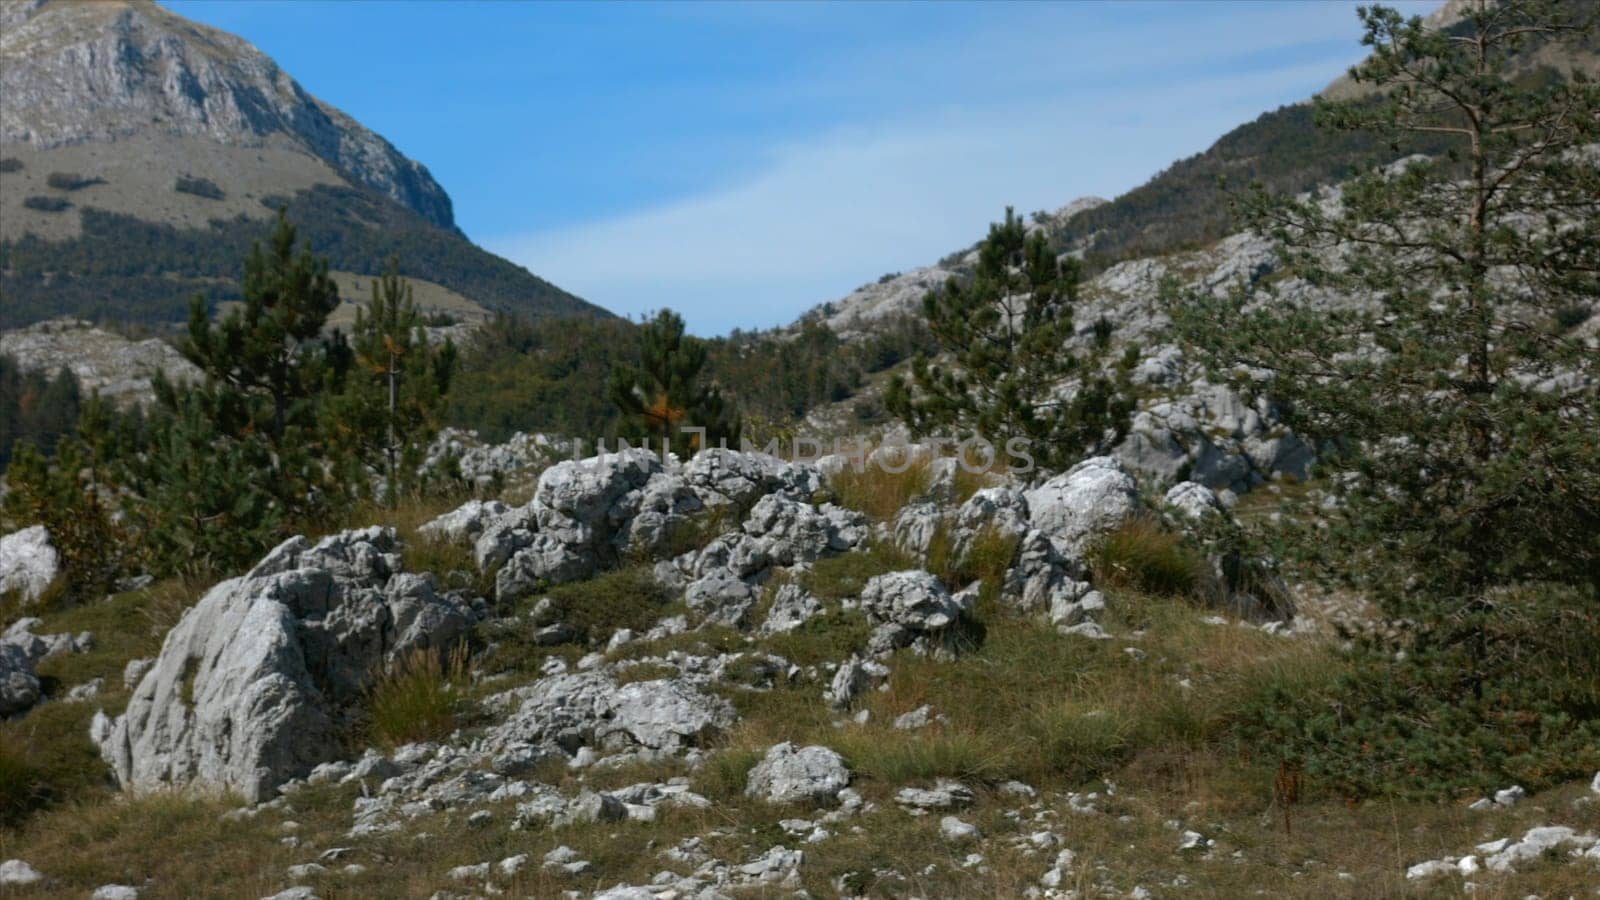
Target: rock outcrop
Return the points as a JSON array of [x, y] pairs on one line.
[[789, 774], [28, 563], [260, 680], [1091, 498]]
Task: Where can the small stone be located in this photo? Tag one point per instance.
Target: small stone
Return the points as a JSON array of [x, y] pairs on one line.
[[1430, 869], [511, 865], [479, 872], [917, 718], [294, 893], [1192, 841], [953, 829], [480, 819], [945, 794], [1511, 796], [115, 892], [306, 871]]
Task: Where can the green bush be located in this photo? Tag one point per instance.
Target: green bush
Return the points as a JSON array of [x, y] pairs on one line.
[[200, 187], [598, 608], [47, 204], [1412, 718], [71, 181], [10, 164]]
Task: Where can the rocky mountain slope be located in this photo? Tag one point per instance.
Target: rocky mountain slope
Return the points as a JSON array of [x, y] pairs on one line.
[[159, 148], [803, 697]]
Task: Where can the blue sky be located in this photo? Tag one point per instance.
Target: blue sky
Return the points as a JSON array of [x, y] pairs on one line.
[[744, 162]]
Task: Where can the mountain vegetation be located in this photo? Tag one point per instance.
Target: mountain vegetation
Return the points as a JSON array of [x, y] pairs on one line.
[[1460, 416], [123, 269], [664, 400], [1189, 203], [1007, 371], [292, 423]]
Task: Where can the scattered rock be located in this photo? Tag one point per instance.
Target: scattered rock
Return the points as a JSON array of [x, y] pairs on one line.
[[232, 701], [28, 563], [953, 829], [945, 794], [787, 774], [17, 873]]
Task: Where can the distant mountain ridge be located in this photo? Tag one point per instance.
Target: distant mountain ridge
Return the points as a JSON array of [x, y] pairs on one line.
[[142, 153]]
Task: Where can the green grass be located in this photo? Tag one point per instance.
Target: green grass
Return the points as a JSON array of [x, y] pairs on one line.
[[829, 637], [599, 607], [838, 577], [894, 757]]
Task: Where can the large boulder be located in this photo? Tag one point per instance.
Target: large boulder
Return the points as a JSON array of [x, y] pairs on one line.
[[912, 599], [1216, 436], [918, 527], [796, 533], [1093, 497], [584, 490], [545, 561], [257, 683], [721, 476], [648, 518], [788, 774], [28, 562], [589, 709]]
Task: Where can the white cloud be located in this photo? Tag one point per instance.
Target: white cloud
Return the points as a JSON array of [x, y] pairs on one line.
[[835, 210]]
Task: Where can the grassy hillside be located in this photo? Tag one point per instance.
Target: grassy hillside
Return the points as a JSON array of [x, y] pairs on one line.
[[121, 268]]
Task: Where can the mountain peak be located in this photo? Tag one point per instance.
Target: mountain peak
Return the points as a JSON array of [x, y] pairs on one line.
[[87, 72]]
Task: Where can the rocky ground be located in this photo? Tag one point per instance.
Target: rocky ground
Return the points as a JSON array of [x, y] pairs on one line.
[[728, 677]]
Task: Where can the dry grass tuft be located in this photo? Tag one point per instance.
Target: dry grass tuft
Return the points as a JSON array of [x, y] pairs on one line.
[[1143, 555], [879, 494], [418, 699]]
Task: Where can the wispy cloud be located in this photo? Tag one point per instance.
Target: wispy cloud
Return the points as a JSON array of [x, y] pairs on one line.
[[831, 211]]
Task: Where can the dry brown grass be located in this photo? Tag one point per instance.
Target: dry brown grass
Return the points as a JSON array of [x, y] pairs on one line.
[[877, 493]]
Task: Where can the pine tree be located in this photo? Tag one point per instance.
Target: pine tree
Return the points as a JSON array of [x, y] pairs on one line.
[[71, 494], [272, 346], [663, 395], [1458, 404], [395, 393], [201, 496], [1012, 373]]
